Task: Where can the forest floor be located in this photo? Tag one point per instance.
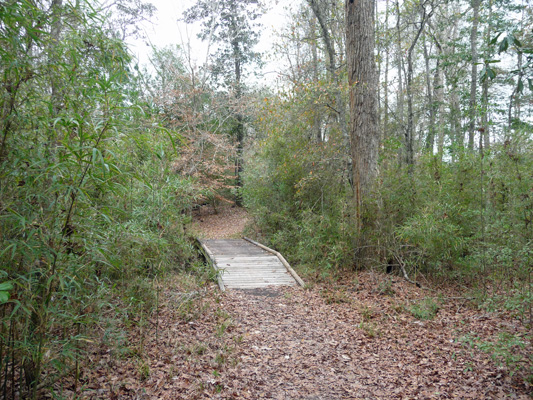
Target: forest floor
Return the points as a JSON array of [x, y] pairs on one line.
[[365, 336], [227, 222]]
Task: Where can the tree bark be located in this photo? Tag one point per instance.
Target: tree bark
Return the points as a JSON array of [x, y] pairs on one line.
[[386, 84], [379, 46], [409, 132], [438, 88], [55, 35], [362, 80], [399, 62], [456, 134], [514, 99], [484, 138], [239, 129], [430, 139], [317, 120], [472, 105]]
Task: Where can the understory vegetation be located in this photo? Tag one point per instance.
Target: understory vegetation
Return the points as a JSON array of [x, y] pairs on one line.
[[102, 162], [92, 211], [453, 200]]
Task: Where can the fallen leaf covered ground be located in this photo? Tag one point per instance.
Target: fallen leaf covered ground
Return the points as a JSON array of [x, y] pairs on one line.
[[227, 221], [363, 337]]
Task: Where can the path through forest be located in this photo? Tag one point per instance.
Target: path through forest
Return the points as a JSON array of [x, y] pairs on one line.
[[358, 339]]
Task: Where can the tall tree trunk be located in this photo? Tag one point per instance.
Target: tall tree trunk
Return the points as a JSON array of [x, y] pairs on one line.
[[409, 132], [54, 60], [239, 129], [362, 80], [514, 99], [472, 105], [399, 63], [517, 106], [456, 134], [484, 137], [438, 86], [379, 47], [55, 35], [340, 106], [317, 120], [386, 82], [430, 140]]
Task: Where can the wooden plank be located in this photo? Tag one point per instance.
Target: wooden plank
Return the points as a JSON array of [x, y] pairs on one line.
[[246, 259], [252, 263], [256, 277], [258, 281], [257, 270], [256, 286], [248, 268], [259, 277], [254, 271], [251, 266], [251, 273], [244, 264], [282, 259]]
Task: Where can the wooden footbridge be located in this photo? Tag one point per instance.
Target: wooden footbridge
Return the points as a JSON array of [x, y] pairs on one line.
[[246, 264]]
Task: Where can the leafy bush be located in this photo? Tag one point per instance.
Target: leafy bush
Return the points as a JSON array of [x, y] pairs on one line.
[[296, 192], [89, 202], [425, 309]]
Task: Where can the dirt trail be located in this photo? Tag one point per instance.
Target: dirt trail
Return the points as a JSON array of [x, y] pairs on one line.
[[355, 340], [289, 343], [228, 221], [297, 346]]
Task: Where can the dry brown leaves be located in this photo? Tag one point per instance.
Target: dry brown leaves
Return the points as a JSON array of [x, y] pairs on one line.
[[227, 222], [351, 341], [329, 342]]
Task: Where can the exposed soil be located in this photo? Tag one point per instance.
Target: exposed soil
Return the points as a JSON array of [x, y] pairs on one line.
[[355, 340]]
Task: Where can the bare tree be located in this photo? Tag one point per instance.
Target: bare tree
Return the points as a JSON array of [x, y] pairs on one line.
[[319, 10], [409, 132]]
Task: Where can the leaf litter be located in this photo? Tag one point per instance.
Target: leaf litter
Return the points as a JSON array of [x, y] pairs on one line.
[[330, 341]]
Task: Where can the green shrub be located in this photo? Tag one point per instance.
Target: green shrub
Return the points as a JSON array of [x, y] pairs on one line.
[[425, 309], [297, 194]]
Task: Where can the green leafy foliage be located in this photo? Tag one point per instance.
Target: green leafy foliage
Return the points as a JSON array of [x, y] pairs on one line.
[[503, 351], [425, 309], [90, 207], [462, 218], [296, 191], [5, 288]]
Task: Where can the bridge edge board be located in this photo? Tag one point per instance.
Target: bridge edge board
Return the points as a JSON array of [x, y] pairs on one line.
[[281, 258], [211, 258]]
